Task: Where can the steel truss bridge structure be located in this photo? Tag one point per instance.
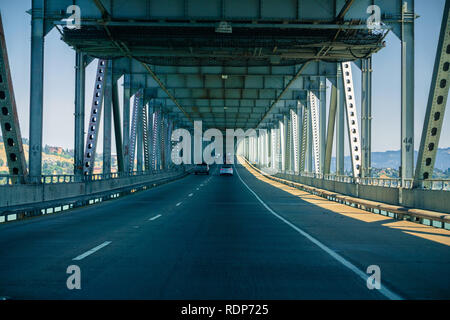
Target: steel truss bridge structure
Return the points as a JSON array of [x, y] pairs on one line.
[[261, 64]]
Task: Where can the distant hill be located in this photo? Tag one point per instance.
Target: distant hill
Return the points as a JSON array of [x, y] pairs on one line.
[[55, 160], [391, 159]]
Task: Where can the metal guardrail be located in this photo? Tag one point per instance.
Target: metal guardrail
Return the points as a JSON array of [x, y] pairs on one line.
[[6, 179], [427, 217], [73, 196], [430, 184]]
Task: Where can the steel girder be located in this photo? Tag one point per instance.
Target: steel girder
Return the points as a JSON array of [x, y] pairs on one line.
[[117, 127], [304, 137], [133, 132], [352, 119], [94, 119], [107, 117], [9, 119], [330, 130], [407, 90], [437, 102], [366, 117], [80, 84], [314, 113]]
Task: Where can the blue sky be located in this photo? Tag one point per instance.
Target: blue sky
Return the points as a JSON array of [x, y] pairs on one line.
[[59, 78]]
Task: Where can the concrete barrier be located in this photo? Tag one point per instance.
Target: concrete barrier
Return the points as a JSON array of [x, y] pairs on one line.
[[415, 204], [22, 197]]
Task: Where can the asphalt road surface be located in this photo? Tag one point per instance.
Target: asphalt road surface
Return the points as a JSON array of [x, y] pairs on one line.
[[216, 237]]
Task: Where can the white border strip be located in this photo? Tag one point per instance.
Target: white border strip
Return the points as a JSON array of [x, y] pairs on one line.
[[384, 291], [88, 253]]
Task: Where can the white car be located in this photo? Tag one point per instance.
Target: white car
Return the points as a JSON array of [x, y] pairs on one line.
[[227, 169]]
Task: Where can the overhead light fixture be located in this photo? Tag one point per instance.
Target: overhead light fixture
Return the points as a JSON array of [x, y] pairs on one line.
[[224, 27]]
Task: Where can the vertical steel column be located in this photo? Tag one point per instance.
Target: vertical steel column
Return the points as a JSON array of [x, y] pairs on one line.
[[407, 109], [330, 130], [322, 122], [309, 139], [273, 144], [133, 131], [286, 135], [140, 135], [354, 136], [150, 133], [315, 123], [94, 120], [36, 90], [340, 123], [145, 138], [158, 139], [117, 126], [126, 121], [366, 116], [282, 140], [107, 117], [296, 136], [267, 146], [304, 137], [80, 80]]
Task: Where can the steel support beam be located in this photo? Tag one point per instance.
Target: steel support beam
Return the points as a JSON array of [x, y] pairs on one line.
[[340, 124], [304, 137], [407, 91], [9, 120], [330, 130], [133, 131], [352, 119], [107, 121], [36, 89], [309, 138], [315, 119], [126, 121], [437, 102], [366, 117], [94, 119], [140, 136], [322, 122], [117, 126], [282, 140], [80, 81]]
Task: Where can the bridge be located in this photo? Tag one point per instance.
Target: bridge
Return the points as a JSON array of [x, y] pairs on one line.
[[244, 81]]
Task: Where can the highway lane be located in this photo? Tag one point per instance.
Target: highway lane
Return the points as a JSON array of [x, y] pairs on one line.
[[205, 237]]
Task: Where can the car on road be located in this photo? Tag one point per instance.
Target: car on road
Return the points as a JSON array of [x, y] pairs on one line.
[[201, 168], [226, 169]]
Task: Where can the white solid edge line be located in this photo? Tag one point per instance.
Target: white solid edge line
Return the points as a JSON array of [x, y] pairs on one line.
[[190, 194], [88, 253], [384, 291], [155, 217], [178, 204]]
